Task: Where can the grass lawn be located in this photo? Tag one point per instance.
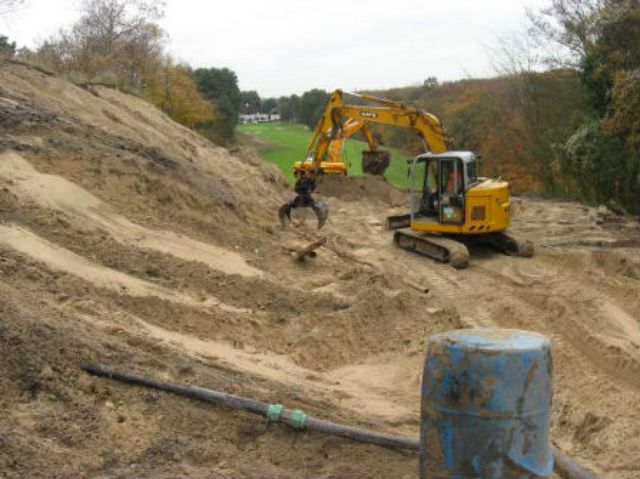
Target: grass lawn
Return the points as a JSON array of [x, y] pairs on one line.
[[284, 143]]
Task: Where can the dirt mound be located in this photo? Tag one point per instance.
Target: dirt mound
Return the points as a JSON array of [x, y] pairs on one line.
[[361, 188], [128, 240]]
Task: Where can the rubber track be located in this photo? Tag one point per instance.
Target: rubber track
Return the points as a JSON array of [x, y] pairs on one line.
[[441, 249]]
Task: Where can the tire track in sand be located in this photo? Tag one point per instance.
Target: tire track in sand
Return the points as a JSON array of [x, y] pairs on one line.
[[546, 298]]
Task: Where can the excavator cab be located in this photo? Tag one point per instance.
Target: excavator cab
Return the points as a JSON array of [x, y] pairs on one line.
[[451, 207], [438, 184]]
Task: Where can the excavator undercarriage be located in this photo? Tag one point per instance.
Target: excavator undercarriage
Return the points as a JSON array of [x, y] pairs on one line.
[[439, 248], [455, 250]]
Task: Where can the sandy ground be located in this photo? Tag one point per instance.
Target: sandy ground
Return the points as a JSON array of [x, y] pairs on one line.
[[128, 240]]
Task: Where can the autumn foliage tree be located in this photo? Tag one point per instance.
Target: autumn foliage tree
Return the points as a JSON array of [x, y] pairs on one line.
[[119, 42], [312, 105], [623, 119], [220, 86], [601, 39], [173, 90], [7, 48]]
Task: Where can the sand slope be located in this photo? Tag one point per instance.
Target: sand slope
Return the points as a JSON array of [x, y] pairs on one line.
[[128, 240]]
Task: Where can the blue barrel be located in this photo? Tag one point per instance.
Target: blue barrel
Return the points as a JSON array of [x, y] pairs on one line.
[[486, 405]]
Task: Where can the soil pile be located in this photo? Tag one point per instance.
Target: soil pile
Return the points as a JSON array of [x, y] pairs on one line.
[[361, 188], [128, 240]]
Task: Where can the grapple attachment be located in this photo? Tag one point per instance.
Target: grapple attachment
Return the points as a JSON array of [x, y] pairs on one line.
[[303, 201]]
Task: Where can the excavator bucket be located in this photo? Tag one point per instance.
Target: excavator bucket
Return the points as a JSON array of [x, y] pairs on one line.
[[320, 209], [375, 162]]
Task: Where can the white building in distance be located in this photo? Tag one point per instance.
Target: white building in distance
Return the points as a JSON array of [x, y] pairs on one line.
[[258, 117]]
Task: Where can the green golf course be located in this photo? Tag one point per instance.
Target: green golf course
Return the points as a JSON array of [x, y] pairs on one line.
[[284, 143]]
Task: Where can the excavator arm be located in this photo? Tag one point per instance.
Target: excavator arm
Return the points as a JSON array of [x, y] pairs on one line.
[[325, 154], [428, 126], [350, 127]]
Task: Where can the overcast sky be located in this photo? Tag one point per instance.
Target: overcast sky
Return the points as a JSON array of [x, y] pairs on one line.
[[279, 47]]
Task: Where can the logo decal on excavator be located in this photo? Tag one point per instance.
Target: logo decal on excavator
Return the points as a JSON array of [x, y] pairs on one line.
[[368, 114]]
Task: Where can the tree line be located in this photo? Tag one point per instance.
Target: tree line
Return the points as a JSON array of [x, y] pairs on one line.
[[600, 159], [305, 109], [582, 140]]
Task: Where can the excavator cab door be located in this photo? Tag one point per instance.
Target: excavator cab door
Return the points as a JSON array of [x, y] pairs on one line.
[[422, 189], [450, 191]]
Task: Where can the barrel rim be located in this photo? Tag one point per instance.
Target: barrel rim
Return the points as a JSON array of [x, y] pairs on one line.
[[493, 339]]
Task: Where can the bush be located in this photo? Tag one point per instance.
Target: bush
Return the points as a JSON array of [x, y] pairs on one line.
[[7, 48], [602, 166]]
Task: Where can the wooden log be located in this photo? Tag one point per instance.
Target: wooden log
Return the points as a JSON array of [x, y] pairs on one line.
[[339, 251], [307, 250]]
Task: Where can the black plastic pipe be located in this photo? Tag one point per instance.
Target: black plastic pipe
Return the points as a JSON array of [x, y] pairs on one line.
[[292, 417], [563, 464]]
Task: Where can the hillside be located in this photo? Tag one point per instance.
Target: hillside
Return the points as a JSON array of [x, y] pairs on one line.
[[129, 240]]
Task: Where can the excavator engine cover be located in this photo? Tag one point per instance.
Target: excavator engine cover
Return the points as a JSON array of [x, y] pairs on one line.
[[375, 162]]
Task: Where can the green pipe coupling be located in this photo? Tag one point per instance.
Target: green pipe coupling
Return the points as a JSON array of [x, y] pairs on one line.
[[298, 419], [274, 411]]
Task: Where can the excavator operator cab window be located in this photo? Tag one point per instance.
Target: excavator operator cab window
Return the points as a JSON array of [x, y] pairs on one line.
[[451, 190], [451, 177], [425, 188], [472, 172], [437, 189]]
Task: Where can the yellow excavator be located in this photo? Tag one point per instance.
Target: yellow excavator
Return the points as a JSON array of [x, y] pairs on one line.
[[451, 206]]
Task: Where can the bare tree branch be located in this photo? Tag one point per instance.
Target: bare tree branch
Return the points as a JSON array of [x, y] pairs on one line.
[[512, 54], [566, 30]]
